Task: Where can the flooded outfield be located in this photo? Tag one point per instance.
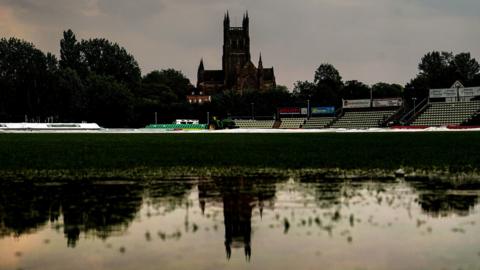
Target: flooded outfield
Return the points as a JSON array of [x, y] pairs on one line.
[[238, 223]]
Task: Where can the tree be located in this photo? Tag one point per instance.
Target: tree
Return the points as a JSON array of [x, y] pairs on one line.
[[172, 79], [436, 67], [230, 102], [50, 87], [109, 102], [328, 86], [25, 77], [465, 67], [355, 90], [328, 75], [441, 70], [267, 102], [386, 90], [304, 90], [70, 51], [163, 92], [105, 58], [324, 91], [476, 80], [72, 96], [435, 63]]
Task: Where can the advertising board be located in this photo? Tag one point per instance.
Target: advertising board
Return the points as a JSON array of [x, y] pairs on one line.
[[443, 93], [322, 110], [387, 102], [469, 91], [356, 103], [290, 110]]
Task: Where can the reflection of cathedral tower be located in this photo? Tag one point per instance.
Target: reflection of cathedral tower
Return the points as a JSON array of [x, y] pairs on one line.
[[237, 211], [239, 196]]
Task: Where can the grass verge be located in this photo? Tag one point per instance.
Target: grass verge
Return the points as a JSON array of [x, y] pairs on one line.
[[122, 155]]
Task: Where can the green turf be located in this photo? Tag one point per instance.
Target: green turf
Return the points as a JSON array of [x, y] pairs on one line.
[[456, 151]]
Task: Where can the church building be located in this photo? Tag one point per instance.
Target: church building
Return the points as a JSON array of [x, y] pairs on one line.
[[238, 72]]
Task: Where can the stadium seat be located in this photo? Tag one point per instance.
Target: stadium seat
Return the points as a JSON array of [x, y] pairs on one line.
[[251, 124], [447, 113], [363, 120], [292, 122], [318, 122]]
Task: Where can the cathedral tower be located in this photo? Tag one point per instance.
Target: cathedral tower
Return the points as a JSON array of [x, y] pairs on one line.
[[236, 48], [238, 72]]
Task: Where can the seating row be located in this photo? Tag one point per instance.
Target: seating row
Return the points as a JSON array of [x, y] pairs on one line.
[[292, 122], [447, 113], [318, 122], [262, 124], [369, 119]]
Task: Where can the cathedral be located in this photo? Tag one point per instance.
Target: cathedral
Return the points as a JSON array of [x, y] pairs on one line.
[[238, 72]]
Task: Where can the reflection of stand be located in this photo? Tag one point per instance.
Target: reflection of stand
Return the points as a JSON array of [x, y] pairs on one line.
[[442, 199]]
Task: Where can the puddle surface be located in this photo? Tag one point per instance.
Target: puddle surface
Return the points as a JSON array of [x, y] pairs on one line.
[[240, 223]]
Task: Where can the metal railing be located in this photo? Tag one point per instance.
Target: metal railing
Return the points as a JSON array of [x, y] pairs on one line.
[[410, 116], [392, 118], [338, 114]]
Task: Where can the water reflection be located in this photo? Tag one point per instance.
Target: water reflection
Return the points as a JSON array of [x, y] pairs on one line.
[[260, 215], [97, 209], [441, 198], [239, 196]]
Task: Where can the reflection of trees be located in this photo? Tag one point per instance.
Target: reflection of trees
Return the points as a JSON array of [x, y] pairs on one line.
[[97, 209], [443, 204], [440, 198], [25, 207], [170, 193], [239, 196], [327, 192]]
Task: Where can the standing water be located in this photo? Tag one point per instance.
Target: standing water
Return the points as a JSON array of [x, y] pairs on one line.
[[240, 223]]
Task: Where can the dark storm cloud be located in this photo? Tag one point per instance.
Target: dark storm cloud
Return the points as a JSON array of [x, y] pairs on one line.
[[368, 40]]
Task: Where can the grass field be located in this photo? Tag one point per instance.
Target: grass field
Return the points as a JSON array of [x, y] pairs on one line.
[[454, 152]]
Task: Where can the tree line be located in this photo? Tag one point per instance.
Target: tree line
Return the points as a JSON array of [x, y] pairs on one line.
[[96, 80]]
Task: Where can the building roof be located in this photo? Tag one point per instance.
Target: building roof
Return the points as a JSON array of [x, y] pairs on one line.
[[213, 76], [268, 74]]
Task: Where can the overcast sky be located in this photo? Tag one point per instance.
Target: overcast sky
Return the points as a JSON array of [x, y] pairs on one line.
[[366, 40]]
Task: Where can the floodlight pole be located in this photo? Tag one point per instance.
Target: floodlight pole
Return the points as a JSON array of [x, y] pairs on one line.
[[371, 96], [253, 111], [156, 118], [208, 119], [308, 108], [414, 105]]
